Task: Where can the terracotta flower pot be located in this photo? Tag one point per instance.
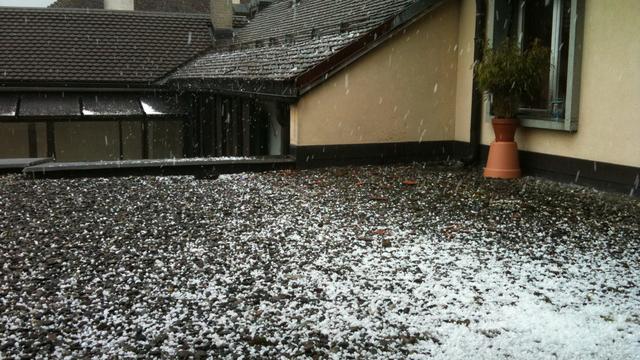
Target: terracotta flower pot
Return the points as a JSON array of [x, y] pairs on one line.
[[503, 162], [505, 128]]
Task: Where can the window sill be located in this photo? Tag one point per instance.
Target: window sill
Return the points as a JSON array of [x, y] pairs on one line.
[[546, 123], [538, 121]]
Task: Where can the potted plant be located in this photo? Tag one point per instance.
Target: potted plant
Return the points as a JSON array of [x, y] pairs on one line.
[[509, 76]]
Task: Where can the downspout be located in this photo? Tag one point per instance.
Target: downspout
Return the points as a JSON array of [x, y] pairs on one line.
[[477, 98]]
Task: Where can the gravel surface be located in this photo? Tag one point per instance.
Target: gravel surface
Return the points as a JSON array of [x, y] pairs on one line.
[[374, 262]]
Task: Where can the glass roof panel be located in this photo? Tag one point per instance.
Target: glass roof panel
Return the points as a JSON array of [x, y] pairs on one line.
[[8, 105], [49, 105], [163, 105], [111, 105]]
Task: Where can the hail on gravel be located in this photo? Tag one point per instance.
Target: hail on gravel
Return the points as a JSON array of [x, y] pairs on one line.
[[352, 262]]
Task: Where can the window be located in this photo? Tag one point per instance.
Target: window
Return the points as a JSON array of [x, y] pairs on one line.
[[557, 24]]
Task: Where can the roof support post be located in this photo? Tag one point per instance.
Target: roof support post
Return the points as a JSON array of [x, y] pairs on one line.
[[33, 140], [145, 138], [219, 117], [51, 141], [247, 114], [236, 104], [120, 141]]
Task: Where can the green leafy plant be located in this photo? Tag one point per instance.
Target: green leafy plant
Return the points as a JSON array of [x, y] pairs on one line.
[[512, 75]]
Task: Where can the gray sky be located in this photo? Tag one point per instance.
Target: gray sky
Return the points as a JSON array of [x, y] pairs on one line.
[[34, 3]]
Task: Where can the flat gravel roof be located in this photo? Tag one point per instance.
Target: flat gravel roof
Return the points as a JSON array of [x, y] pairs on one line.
[[375, 262]]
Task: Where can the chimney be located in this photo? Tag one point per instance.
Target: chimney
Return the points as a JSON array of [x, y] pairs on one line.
[[222, 19], [119, 5]]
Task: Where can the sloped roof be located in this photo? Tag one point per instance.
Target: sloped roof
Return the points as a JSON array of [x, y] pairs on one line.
[[276, 62], [73, 46], [301, 16], [290, 38], [182, 6]]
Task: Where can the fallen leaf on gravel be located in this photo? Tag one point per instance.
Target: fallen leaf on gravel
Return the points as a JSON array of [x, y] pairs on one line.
[[341, 172]]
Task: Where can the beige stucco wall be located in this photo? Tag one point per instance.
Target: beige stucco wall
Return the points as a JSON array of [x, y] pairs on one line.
[[128, 5], [464, 80], [609, 120], [222, 14], [403, 91]]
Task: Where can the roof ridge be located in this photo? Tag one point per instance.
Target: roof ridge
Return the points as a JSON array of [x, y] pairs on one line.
[[194, 15]]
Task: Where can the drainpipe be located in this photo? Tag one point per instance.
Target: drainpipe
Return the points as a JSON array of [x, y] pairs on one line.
[[476, 98]]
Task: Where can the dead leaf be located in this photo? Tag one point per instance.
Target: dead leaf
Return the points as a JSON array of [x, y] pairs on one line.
[[341, 172], [380, 232]]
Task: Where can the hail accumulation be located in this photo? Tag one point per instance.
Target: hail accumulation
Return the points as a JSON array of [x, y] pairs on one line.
[[370, 262]]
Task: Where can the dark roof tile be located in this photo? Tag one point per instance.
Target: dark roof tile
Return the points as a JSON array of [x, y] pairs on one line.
[[290, 37], [89, 46]]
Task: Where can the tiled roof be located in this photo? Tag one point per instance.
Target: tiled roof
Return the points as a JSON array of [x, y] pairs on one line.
[[279, 62], [71, 46], [301, 16], [290, 37]]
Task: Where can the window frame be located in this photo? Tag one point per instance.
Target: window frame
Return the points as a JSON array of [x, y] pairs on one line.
[[537, 118]]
